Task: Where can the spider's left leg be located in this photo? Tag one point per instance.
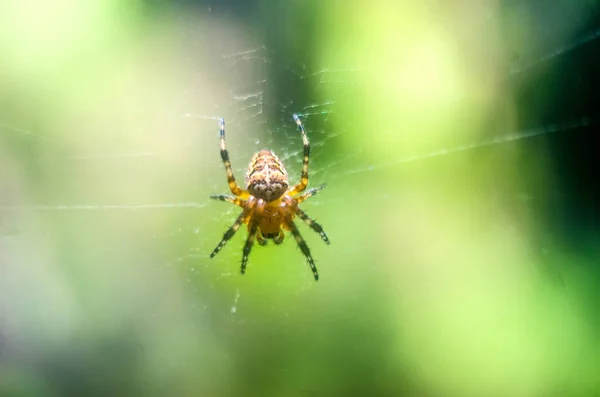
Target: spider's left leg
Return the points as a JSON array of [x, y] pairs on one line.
[[309, 193], [229, 199], [249, 242], [312, 224], [303, 247], [304, 175]]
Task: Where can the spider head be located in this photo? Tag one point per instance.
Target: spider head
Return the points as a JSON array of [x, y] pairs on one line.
[[266, 177]]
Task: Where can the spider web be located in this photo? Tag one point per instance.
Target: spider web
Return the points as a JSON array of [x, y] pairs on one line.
[[257, 118], [100, 188], [257, 110]]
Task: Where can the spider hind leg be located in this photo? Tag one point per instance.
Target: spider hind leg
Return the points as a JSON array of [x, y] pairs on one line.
[[233, 186], [306, 151]]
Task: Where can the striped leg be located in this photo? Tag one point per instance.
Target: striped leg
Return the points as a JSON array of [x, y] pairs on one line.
[[309, 193], [303, 247], [249, 243], [229, 234], [233, 186], [229, 199], [313, 225], [304, 175]]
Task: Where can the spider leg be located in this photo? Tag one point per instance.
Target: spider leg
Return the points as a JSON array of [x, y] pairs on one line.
[[279, 238], [304, 175], [229, 234], [260, 238], [309, 193], [233, 186], [312, 224], [303, 247], [249, 243], [229, 199]]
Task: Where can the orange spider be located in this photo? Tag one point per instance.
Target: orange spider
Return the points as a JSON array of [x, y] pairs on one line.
[[268, 204]]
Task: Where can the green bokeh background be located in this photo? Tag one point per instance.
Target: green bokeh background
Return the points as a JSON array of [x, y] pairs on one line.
[[467, 274]]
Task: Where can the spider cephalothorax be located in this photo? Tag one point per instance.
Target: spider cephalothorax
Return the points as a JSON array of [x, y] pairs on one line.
[[269, 204]]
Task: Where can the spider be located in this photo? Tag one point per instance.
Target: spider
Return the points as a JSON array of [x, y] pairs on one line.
[[268, 203]]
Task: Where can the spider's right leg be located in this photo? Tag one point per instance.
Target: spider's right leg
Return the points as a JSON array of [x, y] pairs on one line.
[[229, 233], [233, 186], [249, 242], [304, 174], [229, 199]]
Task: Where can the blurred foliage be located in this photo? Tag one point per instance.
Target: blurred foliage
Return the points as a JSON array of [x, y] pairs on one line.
[[462, 263]]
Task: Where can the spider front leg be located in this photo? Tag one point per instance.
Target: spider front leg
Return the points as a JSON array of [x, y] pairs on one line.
[[303, 247], [249, 242], [233, 186], [304, 175], [312, 224], [229, 233]]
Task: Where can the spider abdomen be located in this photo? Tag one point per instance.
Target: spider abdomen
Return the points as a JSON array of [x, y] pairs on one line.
[[266, 177]]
